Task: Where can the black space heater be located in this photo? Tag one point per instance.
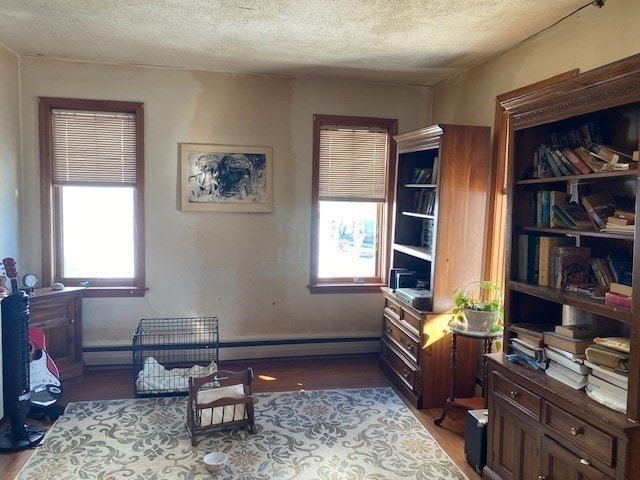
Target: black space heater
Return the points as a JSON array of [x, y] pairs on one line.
[[15, 360]]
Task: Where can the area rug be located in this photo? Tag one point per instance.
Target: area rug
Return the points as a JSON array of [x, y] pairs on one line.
[[353, 434]]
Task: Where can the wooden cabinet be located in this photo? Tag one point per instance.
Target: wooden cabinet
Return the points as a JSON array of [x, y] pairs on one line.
[[59, 315], [574, 436], [438, 221]]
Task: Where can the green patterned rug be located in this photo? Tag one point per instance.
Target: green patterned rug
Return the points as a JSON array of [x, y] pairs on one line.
[[356, 434]]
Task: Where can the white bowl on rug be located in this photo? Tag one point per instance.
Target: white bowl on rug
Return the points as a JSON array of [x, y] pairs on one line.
[[215, 461]]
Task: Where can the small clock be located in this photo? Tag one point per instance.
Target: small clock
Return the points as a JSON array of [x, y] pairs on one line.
[[29, 280]]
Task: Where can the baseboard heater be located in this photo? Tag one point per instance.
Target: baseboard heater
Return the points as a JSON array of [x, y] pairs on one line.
[[122, 354]]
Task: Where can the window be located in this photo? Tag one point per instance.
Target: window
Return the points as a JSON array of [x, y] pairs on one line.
[[92, 195], [353, 168]]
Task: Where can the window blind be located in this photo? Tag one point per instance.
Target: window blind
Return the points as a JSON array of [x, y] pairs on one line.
[[353, 164], [93, 147]]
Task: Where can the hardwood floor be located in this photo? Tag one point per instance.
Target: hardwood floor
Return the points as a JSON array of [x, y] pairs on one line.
[[271, 375]]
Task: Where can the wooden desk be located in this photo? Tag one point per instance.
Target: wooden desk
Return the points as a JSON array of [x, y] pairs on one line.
[[59, 315], [473, 402]]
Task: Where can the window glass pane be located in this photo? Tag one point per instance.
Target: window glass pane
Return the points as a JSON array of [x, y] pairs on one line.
[[97, 232], [348, 234]]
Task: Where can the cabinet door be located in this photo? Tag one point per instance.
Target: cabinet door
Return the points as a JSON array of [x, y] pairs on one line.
[[559, 463], [515, 445]]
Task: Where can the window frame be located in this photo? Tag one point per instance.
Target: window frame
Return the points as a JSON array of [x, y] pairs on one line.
[[339, 285], [50, 201]]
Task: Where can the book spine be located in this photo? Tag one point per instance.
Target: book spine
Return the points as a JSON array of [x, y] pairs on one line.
[[533, 259], [616, 299], [571, 168], [563, 168], [576, 160], [552, 163], [595, 268]]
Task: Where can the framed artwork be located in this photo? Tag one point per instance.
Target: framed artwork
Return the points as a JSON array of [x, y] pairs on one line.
[[225, 178]]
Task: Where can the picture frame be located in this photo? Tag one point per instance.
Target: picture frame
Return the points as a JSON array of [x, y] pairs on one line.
[[225, 178]]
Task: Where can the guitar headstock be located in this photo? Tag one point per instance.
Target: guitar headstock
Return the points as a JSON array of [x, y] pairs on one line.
[[9, 265]]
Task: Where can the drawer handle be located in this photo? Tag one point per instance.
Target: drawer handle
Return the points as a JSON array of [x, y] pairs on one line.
[[586, 462], [389, 329], [410, 346], [577, 431], [543, 477], [72, 320], [405, 373], [513, 394]]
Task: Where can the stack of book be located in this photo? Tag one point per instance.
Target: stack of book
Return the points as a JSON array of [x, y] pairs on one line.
[[621, 222], [608, 382], [565, 349], [529, 342], [619, 295]]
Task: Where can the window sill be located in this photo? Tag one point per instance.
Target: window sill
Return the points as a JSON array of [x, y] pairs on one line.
[[345, 287], [98, 292]]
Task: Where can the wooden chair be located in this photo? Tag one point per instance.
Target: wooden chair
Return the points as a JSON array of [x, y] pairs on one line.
[[222, 399]]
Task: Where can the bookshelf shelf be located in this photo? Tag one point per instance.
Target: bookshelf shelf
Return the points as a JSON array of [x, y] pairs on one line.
[[589, 177], [419, 215], [576, 233], [423, 253], [566, 423], [583, 302], [420, 185]]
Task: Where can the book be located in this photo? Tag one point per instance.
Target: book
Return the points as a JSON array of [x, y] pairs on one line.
[[616, 390], [626, 290], [576, 366], [551, 161], [617, 300], [604, 153], [614, 167], [591, 290], [531, 341], [598, 273], [533, 352], [571, 379], [606, 357], [572, 345], [580, 330], [621, 217], [573, 215], [574, 357], [534, 329], [606, 398], [570, 266], [574, 158], [621, 267], [610, 375], [547, 244], [528, 258], [594, 163], [616, 228], [557, 198], [599, 207]]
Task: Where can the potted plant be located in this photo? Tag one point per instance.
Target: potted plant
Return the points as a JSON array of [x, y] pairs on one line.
[[479, 304]]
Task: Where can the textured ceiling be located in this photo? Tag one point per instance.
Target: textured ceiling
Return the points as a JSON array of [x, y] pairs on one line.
[[417, 42]]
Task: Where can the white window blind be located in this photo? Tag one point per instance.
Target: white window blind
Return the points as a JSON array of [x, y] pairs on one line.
[[93, 147], [353, 164]]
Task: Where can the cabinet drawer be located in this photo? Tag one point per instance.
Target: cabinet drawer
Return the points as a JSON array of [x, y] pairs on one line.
[[392, 308], [518, 396], [402, 340], [587, 437], [412, 320], [403, 369]]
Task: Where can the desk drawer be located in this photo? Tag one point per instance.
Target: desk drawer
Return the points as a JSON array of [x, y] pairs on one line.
[[392, 308], [408, 344], [585, 436], [518, 396], [403, 369]]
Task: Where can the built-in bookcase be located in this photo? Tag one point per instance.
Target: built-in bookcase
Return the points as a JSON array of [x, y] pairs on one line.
[[560, 431], [437, 230]]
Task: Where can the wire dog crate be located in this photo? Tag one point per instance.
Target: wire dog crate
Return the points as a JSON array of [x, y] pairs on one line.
[[167, 351]]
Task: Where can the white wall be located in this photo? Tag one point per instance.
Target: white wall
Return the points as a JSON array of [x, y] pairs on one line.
[[251, 270], [9, 166], [589, 39]]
